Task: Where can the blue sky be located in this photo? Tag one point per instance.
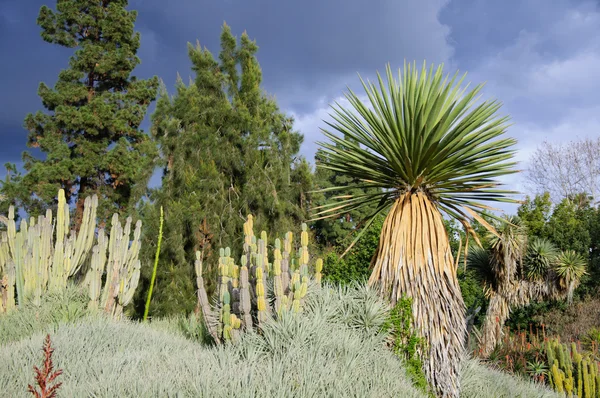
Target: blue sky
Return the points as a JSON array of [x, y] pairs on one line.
[[541, 58]]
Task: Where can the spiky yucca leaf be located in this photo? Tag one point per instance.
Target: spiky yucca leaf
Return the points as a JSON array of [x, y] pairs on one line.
[[570, 266], [479, 260], [430, 149], [423, 133], [540, 257]]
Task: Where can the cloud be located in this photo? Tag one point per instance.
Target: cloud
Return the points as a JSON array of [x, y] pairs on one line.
[[308, 49]]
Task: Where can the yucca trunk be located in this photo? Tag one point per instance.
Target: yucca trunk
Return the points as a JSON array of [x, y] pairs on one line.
[[497, 313], [511, 296], [414, 259]]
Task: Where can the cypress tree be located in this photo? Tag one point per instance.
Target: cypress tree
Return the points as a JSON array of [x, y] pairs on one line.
[[228, 151], [90, 131]]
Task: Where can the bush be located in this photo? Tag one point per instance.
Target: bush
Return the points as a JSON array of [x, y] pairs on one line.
[[479, 381], [56, 308], [334, 348]]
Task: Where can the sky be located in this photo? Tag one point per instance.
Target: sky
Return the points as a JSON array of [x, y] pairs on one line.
[[540, 58]]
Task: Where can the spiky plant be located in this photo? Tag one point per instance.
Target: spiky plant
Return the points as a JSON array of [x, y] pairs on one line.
[[431, 149], [570, 267], [514, 272], [540, 257]]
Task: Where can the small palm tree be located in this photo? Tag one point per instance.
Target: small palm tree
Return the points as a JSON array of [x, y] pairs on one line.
[[428, 148]]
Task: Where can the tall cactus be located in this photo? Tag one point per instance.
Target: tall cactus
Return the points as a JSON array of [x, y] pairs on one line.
[[572, 372], [41, 260], [44, 254], [123, 268], [243, 296]]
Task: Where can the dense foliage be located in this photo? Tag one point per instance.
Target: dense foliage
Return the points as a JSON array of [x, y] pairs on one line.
[[89, 132], [226, 151], [293, 357]]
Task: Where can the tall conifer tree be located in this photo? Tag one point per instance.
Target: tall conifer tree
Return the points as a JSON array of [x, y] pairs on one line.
[[228, 151], [90, 133]]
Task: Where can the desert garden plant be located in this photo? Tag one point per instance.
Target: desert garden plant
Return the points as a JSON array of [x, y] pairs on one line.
[[45, 254], [516, 272], [431, 149], [334, 347], [250, 293], [45, 378]]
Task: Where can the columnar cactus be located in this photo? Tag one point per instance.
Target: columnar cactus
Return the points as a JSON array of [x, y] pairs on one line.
[[44, 254], [7, 268], [123, 268], [244, 298], [571, 372], [41, 260]]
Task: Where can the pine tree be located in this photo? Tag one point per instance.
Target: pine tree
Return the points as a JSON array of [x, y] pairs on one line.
[[90, 133], [228, 151]]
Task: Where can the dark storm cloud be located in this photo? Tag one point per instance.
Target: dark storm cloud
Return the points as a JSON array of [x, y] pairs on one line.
[[308, 49]]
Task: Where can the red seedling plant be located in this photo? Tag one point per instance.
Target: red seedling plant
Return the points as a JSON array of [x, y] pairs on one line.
[[45, 377]]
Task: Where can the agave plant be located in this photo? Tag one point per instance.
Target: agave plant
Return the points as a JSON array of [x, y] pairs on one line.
[[570, 267], [429, 148]]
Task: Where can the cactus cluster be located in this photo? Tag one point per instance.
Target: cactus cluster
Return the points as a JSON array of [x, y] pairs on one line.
[[44, 254], [260, 286], [570, 372]]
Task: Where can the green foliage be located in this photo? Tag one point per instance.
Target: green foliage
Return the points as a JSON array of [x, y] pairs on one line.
[[356, 264], [55, 309], [473, 294], [226, 150], [535, 214], [90, 129], [568, 227], [406, 342]]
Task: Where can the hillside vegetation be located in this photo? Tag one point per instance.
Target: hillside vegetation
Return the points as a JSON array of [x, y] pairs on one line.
[[332, 349]]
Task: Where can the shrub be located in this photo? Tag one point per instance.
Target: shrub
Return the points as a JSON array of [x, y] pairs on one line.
[[58, 308], [334, 348]]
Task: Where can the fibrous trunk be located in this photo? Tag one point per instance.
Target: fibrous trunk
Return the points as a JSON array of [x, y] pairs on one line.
[[497, 313], [414, 259], [507, 297]]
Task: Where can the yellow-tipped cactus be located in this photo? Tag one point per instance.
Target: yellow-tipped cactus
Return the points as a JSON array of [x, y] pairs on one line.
[[318, 269], [244, 300], [571, 372]]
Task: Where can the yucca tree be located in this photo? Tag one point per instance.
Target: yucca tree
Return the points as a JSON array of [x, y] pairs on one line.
[[431, 149], [570, 267], [516, 271]]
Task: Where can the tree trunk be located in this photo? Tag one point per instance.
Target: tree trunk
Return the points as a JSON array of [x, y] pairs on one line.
[[497, 314], [414, 260]]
